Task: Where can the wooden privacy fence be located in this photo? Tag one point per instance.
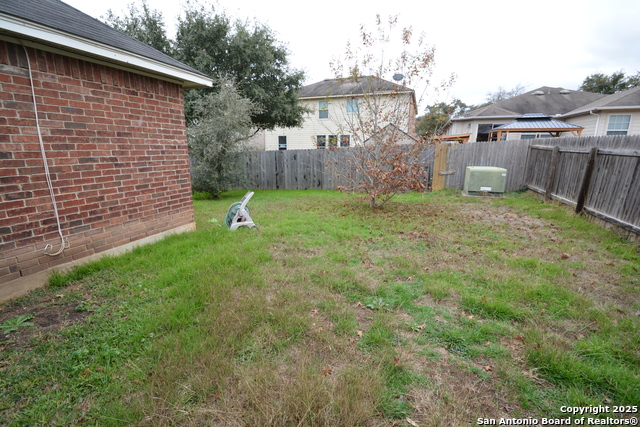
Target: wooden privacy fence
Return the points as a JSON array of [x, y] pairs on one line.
[[511, 155], [602, 182], [308, 169], [597, 175]]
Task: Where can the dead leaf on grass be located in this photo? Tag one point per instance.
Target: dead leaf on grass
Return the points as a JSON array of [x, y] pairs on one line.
[[411, 422], [531, 374], [487, 368], [518, 340], [326, 370]]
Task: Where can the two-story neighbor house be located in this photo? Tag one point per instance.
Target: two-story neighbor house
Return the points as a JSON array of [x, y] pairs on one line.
[[341, 111], [593, 113]]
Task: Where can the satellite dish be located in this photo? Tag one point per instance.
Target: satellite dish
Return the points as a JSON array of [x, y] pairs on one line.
[[397, 77]]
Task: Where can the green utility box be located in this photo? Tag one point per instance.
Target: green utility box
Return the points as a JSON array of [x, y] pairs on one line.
[[484, 180]]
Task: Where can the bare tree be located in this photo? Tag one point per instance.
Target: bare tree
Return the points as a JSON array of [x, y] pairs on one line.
[[380, 116]]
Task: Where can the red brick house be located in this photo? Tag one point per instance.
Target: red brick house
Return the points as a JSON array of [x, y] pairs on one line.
[[95, 162]]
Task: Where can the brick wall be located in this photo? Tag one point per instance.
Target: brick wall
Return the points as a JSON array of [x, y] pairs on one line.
[[117, 153]]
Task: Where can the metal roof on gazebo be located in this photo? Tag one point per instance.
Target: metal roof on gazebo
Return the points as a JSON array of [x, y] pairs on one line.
[[537, 123]]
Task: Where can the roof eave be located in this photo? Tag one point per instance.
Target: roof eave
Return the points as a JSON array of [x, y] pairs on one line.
[[461, 118], [496, 130], [597, 109], [355, 95], [92, 49]]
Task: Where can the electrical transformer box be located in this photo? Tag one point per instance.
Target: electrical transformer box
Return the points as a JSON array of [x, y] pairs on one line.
[[484, 180]]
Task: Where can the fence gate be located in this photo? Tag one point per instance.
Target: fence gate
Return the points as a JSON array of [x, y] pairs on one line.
[[439, 167]]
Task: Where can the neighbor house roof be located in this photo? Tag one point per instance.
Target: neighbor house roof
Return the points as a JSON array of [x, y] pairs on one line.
[[56, 26], [544, 100], [353, 87], [350, 86], [625, 100]]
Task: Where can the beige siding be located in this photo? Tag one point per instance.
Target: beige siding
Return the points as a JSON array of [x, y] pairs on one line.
[[338, 123], [596, 124], [587, 121], [461, 127]]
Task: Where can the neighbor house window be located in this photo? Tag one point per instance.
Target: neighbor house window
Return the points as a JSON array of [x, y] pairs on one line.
[[282, 143], [353, 105], [483, 131], [533, 135], [323, 108], [333, 141], [618, 124]]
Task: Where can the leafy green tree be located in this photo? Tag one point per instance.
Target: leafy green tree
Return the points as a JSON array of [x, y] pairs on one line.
[[143, 24], [219, 137], [501, 94], [437, 115], [216, 45], [616, 82]]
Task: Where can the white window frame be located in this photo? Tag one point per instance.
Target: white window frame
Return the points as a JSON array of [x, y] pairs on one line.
[[353, 105], [282, 142], [616, 130], [333, 141], [323, 109]]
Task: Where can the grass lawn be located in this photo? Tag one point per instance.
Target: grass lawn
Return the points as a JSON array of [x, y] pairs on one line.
[[437, 310]]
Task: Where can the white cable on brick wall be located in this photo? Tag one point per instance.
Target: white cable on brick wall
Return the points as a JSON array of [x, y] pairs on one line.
[[64, 242]]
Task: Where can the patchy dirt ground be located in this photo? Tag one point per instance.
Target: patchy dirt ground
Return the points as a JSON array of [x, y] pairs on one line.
[[48, 311]]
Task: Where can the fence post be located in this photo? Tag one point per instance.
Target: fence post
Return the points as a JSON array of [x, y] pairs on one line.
[[584, 188]]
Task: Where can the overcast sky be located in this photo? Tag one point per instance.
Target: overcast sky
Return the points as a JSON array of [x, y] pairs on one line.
[[487, 44]]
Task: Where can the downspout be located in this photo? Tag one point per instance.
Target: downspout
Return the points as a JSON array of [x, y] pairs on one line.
[[595, 133]]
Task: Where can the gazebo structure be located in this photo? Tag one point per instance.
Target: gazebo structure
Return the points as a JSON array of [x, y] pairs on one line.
[[533, 123], [460, 138]]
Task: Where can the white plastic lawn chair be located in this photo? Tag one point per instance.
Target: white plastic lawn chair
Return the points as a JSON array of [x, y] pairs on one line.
[[239, 215]]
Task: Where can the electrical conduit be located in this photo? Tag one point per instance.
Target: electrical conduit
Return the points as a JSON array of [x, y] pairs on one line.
[[64, 242]]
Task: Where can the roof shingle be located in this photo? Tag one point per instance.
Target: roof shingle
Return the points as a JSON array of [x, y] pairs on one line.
[[350, 86], [58, 15], [545, 100]]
